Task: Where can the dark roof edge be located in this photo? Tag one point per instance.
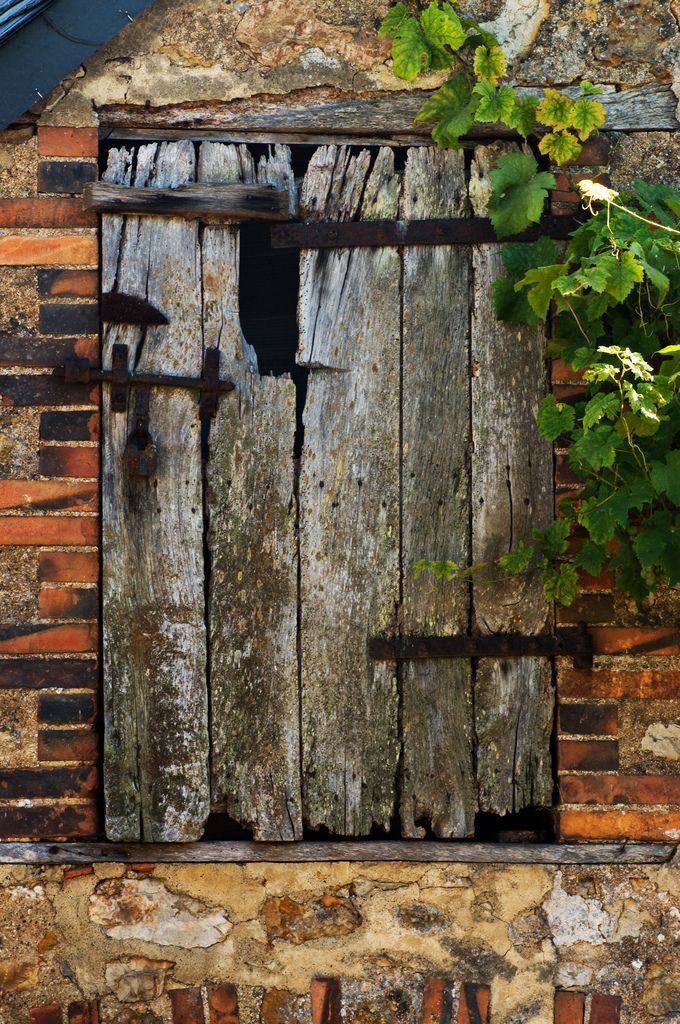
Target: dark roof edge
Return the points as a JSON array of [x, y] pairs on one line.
[[39, 55]]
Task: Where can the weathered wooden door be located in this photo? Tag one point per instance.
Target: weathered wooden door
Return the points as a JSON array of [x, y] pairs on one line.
[[241, 590]]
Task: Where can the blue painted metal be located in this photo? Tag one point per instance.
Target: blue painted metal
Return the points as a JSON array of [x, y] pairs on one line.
[[47, 39]]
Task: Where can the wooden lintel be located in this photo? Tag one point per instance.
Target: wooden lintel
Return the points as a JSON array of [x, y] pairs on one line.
[[643, 108], [231, 202], [415, 851]]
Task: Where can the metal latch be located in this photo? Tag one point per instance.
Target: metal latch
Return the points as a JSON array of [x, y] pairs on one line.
[[140, 451], [574, 643]]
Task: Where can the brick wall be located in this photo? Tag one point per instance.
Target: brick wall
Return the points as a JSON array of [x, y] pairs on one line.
[[49, 469]]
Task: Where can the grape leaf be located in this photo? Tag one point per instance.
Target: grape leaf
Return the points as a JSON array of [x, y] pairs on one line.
[[518, 257], [442, 28], [650, 543], [596, 449], [560, 146], [624, 273], [588, 89], [489, 64], [453, 107], [606, 404], [494, 104], [542, 280], [666, 477], [523, 116], [555, 109], [636, 493], [411, 52], [561, 584], [482, 37], [512, 306], [554, 418], [586, 117], [590, 557], [554, 541], [518, 194], [516, 560], [393, 20]]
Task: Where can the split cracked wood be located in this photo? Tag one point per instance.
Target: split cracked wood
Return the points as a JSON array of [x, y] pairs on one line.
[[437, 785], [252, 516], [349, 316], [154, 645], [511, 494]]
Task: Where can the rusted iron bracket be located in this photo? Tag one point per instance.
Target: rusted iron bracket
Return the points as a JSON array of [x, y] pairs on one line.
[[447, 231], [568, 643], [79, 371]]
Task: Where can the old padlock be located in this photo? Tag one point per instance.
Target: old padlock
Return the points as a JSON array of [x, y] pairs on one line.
[[140, 451]]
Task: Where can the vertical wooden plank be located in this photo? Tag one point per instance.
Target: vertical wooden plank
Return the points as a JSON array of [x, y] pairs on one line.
[[569, 1007], [349, 314], [511, 494], [437, 785], [253, 548], [154, 650]]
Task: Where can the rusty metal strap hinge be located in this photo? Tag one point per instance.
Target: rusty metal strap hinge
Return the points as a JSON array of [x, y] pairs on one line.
[[79, 371], [570, 643], [444, 231]]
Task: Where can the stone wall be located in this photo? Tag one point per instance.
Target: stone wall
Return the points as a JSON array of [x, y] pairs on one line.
[[133, 938]]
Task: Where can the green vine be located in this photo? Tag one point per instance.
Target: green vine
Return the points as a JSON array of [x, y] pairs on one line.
[[612, 298]]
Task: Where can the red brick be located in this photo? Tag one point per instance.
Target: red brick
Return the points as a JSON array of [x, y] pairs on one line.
[[326, 997], [68, 284], [569, 1007], [48, 496], [56, 821], [473, 1007], [187, 1006], [46, 1015], [605, 581], [223, 1004], [67, 141], [562, 373], [63, 461], [67, 745], [36, 783], [627, 640], [590, 607], [619, 826], [564, 474], [49, 530], [63, 250], [58, 425], [605, 1009], [75, 638], [595, 150], [80, 872], [41, 674], [663, 790], [68, 603], [594, 719], [437, 1001], [37, 351], [66, 708], [587, 755], [83, 1013], [146, 868], [46, 213], [68, 566], [40, 389], [617, 683]]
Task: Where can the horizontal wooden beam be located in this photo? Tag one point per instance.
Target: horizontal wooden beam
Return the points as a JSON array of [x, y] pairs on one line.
[[231, 202], [452, 231], [647, 108], [416, 851]]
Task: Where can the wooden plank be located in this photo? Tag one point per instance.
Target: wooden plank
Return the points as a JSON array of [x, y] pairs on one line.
[[349, 312], [644, 108], [253, 548], [437, 790], [236, 201], [412, 851], [154, 648], [511, 494]]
